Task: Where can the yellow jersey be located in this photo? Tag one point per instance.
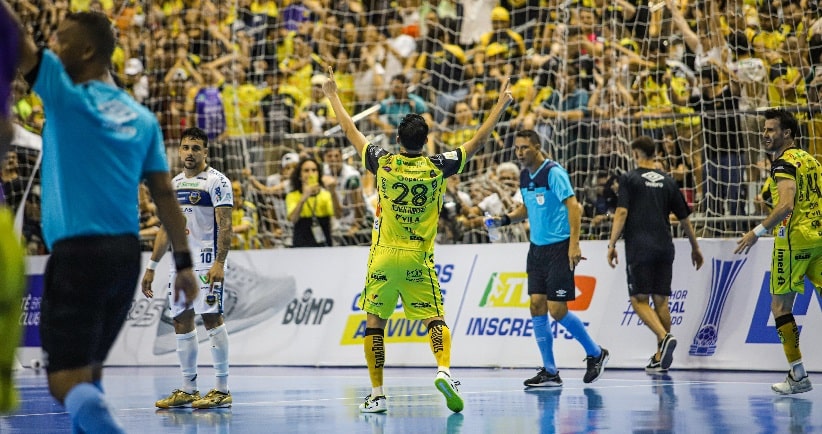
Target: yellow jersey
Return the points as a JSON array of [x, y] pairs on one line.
[[410, 190], [802, 228]]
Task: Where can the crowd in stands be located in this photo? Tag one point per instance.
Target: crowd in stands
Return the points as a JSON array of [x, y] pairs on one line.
[[587, 75]]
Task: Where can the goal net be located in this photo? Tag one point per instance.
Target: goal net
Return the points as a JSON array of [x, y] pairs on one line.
[[20, 178], [588, 76]]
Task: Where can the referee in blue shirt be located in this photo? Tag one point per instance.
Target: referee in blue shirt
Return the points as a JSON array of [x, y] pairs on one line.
[[98, 143], [554, 215]]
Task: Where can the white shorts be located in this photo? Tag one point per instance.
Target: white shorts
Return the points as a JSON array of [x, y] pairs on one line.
[[208, 300]]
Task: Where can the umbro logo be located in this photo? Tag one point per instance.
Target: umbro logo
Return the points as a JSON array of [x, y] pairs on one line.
[[653, 176]]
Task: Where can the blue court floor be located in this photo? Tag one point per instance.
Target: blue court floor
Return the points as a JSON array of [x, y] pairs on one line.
[[324, 400]]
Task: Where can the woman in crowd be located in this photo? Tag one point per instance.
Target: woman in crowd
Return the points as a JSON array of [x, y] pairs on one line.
[[311, 206]]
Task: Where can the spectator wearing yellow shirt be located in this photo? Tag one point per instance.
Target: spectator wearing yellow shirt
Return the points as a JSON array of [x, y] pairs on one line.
[[501, 33], [312, 205], [244, 220], [268, 7], [768, 37], [317, 114], [243, 116], [300, 65], [814, 91]]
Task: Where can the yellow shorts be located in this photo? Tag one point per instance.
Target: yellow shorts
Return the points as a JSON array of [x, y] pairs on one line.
[[789, 268], [395, 274]]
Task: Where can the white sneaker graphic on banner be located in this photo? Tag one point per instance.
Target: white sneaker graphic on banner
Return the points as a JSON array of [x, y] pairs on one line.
[[248, 298]]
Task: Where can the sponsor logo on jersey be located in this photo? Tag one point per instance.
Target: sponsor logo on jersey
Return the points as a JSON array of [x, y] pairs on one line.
[[398, 328], [653, 179]]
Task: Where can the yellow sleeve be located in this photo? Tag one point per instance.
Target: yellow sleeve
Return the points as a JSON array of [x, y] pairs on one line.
[[291, 201]]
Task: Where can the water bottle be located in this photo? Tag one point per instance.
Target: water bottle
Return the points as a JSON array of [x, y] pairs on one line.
[[493, 229]]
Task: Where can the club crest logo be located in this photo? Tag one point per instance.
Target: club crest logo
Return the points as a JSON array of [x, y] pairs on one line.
[[194, 197]]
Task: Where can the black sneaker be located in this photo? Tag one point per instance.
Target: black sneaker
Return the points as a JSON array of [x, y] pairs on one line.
[[595, 366], [655, 367], [544, 379], [666, 351]]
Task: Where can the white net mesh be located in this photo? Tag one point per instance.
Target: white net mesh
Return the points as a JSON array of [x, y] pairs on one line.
[[588, 75], [20, 178]]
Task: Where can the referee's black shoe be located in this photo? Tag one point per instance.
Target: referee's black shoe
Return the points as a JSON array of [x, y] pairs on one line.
[[595, 366]]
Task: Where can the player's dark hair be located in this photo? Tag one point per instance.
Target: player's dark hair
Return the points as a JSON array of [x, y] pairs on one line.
[[786, 120], [195, 134], [644, 144], [413, 131], [296, 178], [98, 30], [532, 136]]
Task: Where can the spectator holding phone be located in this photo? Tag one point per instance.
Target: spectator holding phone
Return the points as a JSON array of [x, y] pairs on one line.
[[311, 206]]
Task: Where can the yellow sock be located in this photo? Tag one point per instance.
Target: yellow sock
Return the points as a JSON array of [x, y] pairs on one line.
[[374, 346], [439, 337], [12, 285], [789, 336]]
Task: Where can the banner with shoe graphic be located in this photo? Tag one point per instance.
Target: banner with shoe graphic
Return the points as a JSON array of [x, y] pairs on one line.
[[301, 307]]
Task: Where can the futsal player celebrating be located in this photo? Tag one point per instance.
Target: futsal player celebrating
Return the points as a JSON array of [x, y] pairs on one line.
[[401, 262]]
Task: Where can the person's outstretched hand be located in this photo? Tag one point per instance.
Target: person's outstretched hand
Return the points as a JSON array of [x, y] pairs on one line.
[[330, 86], [505, 95]]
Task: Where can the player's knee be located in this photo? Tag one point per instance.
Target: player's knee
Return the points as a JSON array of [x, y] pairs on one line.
[[538, 309], [184, 322], [557, 309], [211, 320], [61, 382], [436, 323]]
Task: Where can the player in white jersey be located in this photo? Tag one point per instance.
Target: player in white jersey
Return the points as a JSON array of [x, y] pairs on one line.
[[205, 198]]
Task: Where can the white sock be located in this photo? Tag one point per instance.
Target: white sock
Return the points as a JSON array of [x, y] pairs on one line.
[[187, 353], [444, 369], [219, 352], [798, 370], [377, 391]]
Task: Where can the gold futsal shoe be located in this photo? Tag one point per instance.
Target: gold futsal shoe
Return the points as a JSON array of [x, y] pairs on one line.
[[178, 399], [213, 399]]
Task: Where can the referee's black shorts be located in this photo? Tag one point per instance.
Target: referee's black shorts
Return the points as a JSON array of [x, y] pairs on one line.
[[89, 287], [549, 272]]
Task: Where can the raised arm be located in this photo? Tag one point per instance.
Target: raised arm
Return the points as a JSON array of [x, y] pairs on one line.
[[487, 127], [346, 123], [28, 50], [689, 36]]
